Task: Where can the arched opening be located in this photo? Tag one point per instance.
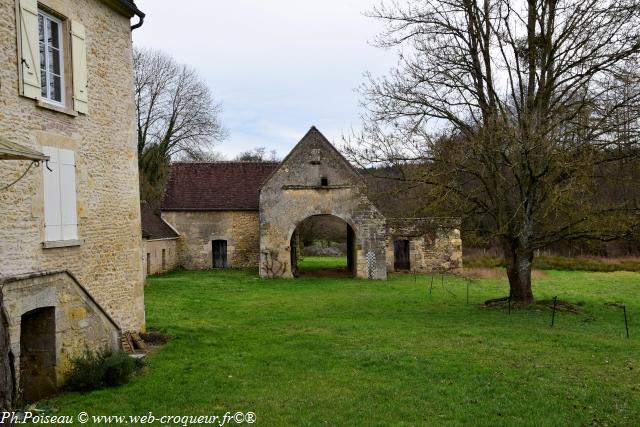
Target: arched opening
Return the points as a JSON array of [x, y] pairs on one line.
[[323, 246], [38, 354]]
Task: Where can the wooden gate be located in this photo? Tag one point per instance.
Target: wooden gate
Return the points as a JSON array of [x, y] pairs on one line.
[[401, 255], [219, 253]]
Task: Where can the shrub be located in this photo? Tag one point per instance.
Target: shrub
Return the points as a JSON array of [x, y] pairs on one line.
[[118, 368], [94, 370], [87, 372]]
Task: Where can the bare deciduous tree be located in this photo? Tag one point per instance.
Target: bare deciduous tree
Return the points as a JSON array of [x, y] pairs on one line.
[[258, 154], [513, 110], [177, 116]]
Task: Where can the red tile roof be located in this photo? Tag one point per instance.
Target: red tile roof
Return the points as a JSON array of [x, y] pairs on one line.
[[215, 185], [153, 226]]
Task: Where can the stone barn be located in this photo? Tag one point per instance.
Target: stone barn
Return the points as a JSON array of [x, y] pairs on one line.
[[214, 207], [247, 214]]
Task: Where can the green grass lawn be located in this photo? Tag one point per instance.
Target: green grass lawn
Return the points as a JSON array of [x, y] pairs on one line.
[[314, 263], [340, 352]]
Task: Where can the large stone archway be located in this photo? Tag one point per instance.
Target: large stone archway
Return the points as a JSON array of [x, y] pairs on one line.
[[314, 179]]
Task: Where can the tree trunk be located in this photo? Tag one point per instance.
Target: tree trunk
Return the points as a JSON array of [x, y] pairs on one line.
[[7, 373], [519, 262]]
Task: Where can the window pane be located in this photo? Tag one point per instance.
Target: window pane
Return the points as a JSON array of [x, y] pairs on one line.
[[42, 59], [41, 28], [53, 33], [55, 88], [43, 64], [54, 61], [43, 82]]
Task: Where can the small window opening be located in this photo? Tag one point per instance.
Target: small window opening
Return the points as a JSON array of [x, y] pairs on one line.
[[324, 181]]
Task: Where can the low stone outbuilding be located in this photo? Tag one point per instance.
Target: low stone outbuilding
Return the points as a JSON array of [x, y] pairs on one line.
[[424, 245], [159, 242]]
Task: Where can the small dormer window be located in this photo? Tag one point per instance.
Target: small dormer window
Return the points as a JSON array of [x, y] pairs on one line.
[[324, 181]]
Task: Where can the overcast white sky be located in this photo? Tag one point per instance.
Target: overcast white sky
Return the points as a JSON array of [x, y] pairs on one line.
[[277, 66]]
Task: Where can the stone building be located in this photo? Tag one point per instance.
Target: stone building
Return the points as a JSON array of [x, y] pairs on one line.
[[159, 242], [214, 207], [424, 245], [247, 214], [70, 270]]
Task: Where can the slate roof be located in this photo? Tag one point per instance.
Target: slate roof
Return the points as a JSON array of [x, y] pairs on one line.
[[153, 226], [203, 186]]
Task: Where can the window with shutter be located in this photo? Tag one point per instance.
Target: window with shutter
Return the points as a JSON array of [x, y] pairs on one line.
[[79, 59], [29, 49], [44, 36], [60, 208]]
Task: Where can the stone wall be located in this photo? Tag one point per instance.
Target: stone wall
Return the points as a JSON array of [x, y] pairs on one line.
[[199, 228], [434, 243], [79, 322], [159, 256], [108, 261], [296, 191]]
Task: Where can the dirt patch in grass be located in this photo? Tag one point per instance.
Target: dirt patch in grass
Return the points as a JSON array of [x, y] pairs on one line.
[[561, 305], [154, 338], [496, 273], [545, 262]]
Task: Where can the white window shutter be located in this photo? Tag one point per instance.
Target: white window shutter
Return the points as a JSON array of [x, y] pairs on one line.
[[51, 189], [79, 59], [68, 207], [30, 49]]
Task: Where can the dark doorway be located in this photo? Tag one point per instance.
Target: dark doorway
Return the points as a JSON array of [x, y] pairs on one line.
[[219, 253], [401, 255], [351, 250], [38, 354]]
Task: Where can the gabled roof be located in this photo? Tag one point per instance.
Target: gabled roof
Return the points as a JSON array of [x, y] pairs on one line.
[[13, 151], [313, 132], [205, 186], [153, 226]]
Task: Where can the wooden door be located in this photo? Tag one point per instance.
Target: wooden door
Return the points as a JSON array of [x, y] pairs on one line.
[[219, 253], [401, 255]]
